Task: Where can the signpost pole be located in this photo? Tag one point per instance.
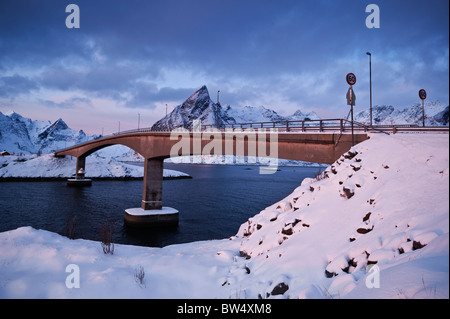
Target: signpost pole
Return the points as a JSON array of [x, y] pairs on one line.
[[423, 96], [351, 111], [351, 80], [423, 114], [353, 136]]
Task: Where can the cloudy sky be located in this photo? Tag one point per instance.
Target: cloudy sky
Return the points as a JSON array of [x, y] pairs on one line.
[[130, 58]]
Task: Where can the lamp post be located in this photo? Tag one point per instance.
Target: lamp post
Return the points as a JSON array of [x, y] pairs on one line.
[[217, 109], [370, 75]]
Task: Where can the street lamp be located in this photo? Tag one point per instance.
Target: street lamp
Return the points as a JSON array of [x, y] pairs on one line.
[[370, 75], [217, 109]]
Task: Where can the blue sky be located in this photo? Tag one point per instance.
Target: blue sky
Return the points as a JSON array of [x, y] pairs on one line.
[[134, 57]]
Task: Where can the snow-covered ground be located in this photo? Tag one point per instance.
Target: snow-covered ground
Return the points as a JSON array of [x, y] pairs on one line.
[[384, 204], [48, 166], [237, 160]]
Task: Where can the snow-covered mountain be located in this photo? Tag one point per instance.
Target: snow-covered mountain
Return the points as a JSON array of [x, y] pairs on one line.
[[23, 135], [200, 106], [436, 114]]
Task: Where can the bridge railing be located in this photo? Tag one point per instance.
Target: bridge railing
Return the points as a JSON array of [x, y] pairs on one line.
[[321, 125]]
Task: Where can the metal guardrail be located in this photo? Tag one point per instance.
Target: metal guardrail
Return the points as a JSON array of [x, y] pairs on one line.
[[324, 125]]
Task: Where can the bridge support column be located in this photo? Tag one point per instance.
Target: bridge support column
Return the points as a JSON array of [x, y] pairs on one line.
[[153, 182], [79, 179], [152, 213], [81, 167]]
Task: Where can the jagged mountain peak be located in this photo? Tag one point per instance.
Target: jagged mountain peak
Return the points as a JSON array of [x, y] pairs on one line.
[[54, 129], [199, 106], [13, 115], [59, 124], [19, 134], [201, 93]]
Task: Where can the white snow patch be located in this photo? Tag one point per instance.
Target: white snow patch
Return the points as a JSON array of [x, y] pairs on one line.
[[48, 166]]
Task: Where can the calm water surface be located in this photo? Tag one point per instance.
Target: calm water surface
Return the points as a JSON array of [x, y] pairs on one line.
[[213, 204]]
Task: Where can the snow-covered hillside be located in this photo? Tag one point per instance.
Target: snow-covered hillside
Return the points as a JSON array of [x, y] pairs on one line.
[[374, 225], [384, 203]]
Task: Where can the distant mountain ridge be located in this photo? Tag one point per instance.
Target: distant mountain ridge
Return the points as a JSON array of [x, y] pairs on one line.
[[23, 135], [436, 114], [199, 106]]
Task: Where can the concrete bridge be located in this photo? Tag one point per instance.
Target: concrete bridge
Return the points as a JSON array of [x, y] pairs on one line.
[[319, 147]]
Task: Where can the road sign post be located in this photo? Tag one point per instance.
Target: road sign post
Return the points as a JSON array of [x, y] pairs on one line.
[[351, 99], [423, 96]]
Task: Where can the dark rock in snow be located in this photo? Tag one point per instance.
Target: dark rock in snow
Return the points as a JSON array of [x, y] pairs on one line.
[[279, 289]]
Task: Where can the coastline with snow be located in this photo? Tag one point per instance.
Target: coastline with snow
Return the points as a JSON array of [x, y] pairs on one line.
[[48, 167], [385, 203]]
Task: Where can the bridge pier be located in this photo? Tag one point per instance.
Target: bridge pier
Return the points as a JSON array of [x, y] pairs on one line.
[[152, 213], [153, 182], [79, 179]]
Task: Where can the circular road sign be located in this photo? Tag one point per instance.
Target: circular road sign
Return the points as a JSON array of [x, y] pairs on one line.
[[351, 79], [423, 94]]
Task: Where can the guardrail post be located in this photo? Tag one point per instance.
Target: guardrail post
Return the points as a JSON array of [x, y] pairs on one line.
[[303, 126], [287, 126], [341, 124], [320, 126]]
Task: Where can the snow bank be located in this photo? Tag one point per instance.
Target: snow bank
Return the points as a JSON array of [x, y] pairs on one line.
[[374, 225], [383, 203], [48, 166], [33, 265], [237, 160]]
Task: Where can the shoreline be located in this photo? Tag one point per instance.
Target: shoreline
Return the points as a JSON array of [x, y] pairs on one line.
[[55, 179]]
